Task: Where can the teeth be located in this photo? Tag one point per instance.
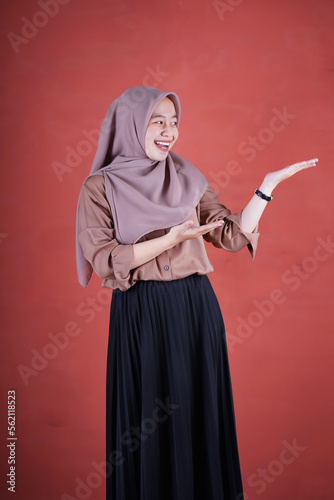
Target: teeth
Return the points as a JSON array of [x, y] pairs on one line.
[[163, 143]]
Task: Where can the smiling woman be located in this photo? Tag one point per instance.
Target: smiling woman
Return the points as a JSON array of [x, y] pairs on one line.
[[162, 131], [143, 214]]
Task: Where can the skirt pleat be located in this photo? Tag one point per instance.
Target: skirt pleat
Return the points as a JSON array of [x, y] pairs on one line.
[[170, 424]]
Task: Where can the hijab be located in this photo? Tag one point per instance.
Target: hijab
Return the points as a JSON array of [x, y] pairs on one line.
[[144, 194]]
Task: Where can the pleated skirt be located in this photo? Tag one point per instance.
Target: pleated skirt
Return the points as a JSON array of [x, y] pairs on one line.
[[170, 424]]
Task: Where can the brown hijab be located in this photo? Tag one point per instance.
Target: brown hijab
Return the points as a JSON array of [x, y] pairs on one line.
[[143, 194]]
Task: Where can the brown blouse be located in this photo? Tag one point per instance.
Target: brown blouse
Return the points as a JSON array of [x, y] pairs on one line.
[[111, 260]]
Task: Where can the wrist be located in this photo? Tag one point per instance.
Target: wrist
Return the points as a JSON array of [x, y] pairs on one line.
[[170, 240], [267, 187]]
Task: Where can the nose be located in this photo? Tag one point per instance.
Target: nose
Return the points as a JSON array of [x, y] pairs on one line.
[[167, 131]]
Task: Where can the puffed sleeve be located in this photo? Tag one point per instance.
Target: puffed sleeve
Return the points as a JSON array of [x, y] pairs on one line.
[[109, 259], [229, 236]]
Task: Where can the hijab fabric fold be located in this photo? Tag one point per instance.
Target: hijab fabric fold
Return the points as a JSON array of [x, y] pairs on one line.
[[144, 195]]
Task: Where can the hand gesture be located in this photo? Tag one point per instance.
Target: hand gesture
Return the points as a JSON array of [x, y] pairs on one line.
[[274, 178], [187, 231]]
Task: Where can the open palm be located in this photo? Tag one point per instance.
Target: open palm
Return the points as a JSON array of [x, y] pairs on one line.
[[274, 178]]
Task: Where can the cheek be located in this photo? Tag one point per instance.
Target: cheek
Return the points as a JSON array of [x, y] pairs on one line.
[[147, 140], [149, 136]]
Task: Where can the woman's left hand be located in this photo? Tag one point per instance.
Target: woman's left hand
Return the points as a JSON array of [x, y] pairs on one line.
[[252, 212], [274, 178]]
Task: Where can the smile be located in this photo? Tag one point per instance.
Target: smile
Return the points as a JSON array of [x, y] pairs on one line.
[[162, 145]]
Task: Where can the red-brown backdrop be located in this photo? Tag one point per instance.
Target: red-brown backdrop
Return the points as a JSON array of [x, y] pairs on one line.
[[255, 80]]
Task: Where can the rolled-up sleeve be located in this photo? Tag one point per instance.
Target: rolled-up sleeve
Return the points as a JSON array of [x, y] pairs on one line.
[[109, 259], [229, 236]]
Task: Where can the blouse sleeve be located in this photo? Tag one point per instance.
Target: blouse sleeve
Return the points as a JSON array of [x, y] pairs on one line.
[[108, 258], [229, 236]]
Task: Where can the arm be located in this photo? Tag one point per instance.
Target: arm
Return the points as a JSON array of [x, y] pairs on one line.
[[96, 234], [147, 250], [228, 236], [109, 258], [251, 214]]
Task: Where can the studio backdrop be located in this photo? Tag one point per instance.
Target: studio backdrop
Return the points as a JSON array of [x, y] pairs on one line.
[[255, 80]]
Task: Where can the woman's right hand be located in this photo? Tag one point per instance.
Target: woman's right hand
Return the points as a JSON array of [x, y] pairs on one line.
[[187, 230], [149, 249]]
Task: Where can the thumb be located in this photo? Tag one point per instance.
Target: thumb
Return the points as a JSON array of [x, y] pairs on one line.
[[188, 223]]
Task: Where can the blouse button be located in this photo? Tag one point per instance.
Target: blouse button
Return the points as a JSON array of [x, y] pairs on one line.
[[166, 268]]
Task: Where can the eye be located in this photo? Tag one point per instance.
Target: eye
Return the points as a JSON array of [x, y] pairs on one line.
[[159, 122], [174, 124]]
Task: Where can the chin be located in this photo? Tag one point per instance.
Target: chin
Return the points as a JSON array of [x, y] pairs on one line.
[[159, 157]]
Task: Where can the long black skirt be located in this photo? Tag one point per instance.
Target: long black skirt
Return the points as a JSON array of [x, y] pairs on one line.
[[170, 425]]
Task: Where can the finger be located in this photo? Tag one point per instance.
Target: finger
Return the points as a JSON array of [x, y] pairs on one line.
[[188, 223], [308, 162], [207, 227], [212, 225], [299, 168]]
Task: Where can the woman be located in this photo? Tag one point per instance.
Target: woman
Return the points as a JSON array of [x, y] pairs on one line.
[[142, 215]]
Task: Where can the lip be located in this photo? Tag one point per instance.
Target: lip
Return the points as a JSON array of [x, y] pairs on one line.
[[163, 147]]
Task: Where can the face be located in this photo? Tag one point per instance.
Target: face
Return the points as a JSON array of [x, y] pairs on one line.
[[162, 131]]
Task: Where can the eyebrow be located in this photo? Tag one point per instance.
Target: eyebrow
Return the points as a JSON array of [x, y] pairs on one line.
[[162, 116]]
